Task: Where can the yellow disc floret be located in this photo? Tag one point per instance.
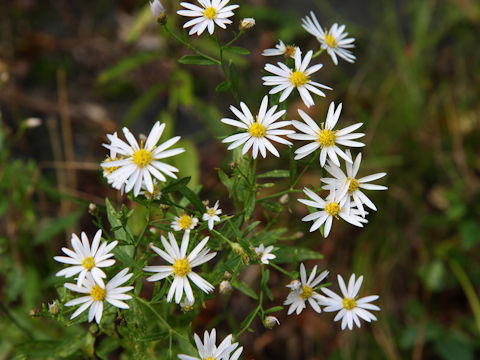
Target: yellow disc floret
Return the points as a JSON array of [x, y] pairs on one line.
[[210, 13], [142, 157], [298, 78], [290, 51], [181, 267], [185, 221], [326, 138], [211, 212], [330, 40], [349, 304], [307, 291], [88, 263], [109, 170], [257, 130], [209, 358], [332, 208], [98, 294], [354, 185]]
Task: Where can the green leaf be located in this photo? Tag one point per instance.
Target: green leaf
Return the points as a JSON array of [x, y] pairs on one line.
[[274, 309], [272, 206], [113, 218], [140, 22], [237, 50], [248, 320], [225, 179], [244, 288], [223, 86], [193, 198], [286, 254], [250, 205], [196, 60], [275, 174], [176, 185]]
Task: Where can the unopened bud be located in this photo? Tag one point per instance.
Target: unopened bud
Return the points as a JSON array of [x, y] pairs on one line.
[[233, 164], [33, 122], [284, 199], [92, 208], [150, 245], [237, 249], [53, 308], [205, 202], [270, 322], [294, 285], [158, 11], [225, 287], [187, 305], [299, 235], [227, 275], [164, 206], [247, 23]]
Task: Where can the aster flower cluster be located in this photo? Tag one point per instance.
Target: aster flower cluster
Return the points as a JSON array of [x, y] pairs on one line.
[[196, 250]]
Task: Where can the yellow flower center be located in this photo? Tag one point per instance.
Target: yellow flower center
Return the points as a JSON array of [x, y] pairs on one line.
[[109, 170], [209, 358], [289, 51], [354, 185], [349, 304], [152, 195], [210, 13], [326, 138], [330, 40], [88, 263], [142, 157], [307, 291], [299, 78], [332, 208], [211, 212], [181, 267], [98, 294], [257, 130], [185, 222]]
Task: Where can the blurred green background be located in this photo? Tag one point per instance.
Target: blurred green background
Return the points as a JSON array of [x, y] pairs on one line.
[[85, 68]]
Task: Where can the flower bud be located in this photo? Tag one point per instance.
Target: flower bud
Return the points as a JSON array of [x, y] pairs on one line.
[[247, 23], [92, 208], [158, 11], [284, 199], [227, 275], [53, 308], [294, 285], [225, 287], [33, 122], [270, 322], [237, 249]]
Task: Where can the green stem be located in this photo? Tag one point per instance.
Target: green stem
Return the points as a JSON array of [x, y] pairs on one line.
[[468, 289], [191, 47], [234, 39], [149, 210], [161, 319], [310, 162], [285, 272], [318, 53], [15, 321], [223, 66]]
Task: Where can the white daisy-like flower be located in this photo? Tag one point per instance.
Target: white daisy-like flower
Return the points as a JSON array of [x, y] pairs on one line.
[[212, 215], [181, 266], [270, 322], [187, 305], [210, 12], [352, 185], [332, 207], [324, 137], [140, 162], [259, 130], [351, 308], [332, 40], [208, 350], [96, 295], [288, 51], [184, 222], [286, 79], [298, 296], [264, 254], [87, 259]]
